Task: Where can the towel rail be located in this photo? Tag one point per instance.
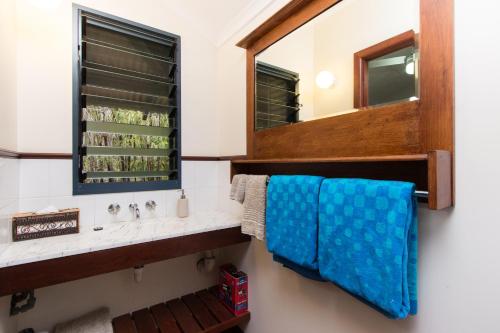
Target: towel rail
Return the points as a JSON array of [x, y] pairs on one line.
[[418, 194], [421, 194]]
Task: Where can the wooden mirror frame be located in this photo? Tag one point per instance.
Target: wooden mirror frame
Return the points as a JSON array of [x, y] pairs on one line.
[[416, 139], [397, 129]]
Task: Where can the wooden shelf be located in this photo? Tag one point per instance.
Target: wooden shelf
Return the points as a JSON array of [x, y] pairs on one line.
[[201, 312], [431, 172], [417, 157], [53, 271]]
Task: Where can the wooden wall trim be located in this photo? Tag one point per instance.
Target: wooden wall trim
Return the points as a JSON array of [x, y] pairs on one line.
[[8, 153], [64, 156], [49, 272], [213, 158], [45, 156]]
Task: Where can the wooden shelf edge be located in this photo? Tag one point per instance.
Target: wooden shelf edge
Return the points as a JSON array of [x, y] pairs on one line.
[[431, 172], [54, 271], [440, 179], [387, 158]]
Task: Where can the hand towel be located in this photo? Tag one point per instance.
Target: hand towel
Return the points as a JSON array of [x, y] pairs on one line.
[[311, 274], [254, 206], [292, 218], [368, 242], [238, 188], [98, 321]]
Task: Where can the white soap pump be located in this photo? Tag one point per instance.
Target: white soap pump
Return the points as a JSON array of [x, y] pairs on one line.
[[182, 205]]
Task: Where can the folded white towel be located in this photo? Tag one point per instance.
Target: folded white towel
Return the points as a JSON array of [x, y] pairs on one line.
[[98, 321], [254, 212], [238, 188]]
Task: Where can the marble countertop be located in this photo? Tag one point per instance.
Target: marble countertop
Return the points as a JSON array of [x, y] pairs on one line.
[[112, 236]]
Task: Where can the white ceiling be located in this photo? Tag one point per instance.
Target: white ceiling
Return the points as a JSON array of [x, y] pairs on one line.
[[218, 20]]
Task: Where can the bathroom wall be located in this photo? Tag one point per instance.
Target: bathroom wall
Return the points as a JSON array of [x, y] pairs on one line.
[[49, 182], [32, 184], [9, 195], [8, 117], [44, 72], [39, 183], [459, 268], [9, 191]]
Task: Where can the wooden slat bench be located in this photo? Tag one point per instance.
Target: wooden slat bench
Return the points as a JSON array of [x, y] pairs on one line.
[[201, 312]]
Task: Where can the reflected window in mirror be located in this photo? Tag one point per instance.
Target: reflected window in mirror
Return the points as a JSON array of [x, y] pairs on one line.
[[276, 97], [322, 53], [387, 72], [392, 77]]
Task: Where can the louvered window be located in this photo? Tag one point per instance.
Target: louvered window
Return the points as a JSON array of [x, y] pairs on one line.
[[276, 101], [126, 106]]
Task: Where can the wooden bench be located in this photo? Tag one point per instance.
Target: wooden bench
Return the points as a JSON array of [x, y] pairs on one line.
[[193, 313]]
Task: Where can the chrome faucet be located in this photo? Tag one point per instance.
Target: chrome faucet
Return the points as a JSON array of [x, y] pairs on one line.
[[134, 209]]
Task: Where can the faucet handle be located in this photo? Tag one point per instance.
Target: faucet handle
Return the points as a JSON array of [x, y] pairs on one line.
[[151, 205], [133, 206], [114, 208]]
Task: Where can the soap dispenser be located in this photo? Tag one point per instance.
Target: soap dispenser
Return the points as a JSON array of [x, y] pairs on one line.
[[182, 205]]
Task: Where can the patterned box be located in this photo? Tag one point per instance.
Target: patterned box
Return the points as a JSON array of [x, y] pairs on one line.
[[233, 289], [31, 226]]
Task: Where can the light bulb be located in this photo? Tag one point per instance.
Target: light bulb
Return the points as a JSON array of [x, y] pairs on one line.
[[325, 79], [410, 68]]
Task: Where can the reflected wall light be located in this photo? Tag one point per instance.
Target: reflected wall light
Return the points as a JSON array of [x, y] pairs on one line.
[[325, 80], [410, 64]]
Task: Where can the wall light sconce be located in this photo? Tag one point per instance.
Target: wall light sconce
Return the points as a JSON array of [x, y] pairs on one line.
[[325, 80]]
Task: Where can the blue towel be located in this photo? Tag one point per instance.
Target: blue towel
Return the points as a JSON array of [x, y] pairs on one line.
[[312, 274], [368, 242], [292, 218]]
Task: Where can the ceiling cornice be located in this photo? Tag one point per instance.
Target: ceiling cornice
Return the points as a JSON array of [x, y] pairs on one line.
[[246, 17]]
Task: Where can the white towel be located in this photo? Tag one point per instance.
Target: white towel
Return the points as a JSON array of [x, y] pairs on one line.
[[254, 212], [98, 321], [238, 188]]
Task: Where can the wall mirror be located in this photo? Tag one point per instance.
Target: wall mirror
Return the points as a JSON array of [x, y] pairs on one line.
[[352, 56]]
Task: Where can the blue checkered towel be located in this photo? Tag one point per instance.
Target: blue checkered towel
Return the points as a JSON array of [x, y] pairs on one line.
[[368, 242], [292, 218]]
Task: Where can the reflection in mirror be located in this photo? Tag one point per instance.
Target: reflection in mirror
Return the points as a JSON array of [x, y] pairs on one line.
[[310, 73], [391, 77]]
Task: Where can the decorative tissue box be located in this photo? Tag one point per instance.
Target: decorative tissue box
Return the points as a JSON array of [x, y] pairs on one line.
[[32, 226], [233, 289]]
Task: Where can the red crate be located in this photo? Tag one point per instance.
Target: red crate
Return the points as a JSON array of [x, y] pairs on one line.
[[233, 289]]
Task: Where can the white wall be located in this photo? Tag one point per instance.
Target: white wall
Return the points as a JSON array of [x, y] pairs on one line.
[[44, 73], [459, 268], [9, 192], [8, 117]]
